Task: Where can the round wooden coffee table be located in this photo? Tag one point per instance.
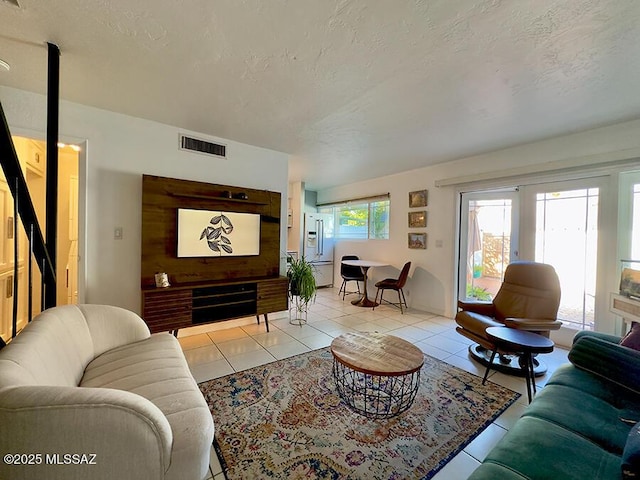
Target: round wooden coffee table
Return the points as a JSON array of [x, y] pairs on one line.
[[376, 375]]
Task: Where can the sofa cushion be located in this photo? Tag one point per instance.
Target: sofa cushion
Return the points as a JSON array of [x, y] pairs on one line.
[[632, 338], [631, 455], [616, 364], [538, 449], [54, 350], [156, 369], [585, 415]]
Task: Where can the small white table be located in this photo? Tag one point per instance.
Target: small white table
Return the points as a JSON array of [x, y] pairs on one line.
[[364, 265]]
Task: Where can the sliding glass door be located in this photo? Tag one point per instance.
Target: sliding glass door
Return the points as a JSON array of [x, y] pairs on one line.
[[488, 241], [566, 236], [554, 223]]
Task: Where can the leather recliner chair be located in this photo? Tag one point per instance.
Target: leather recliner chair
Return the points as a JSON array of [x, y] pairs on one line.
[[528, 299]]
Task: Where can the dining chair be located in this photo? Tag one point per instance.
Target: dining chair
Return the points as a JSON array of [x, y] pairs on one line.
[[349, 273], [396, 284]]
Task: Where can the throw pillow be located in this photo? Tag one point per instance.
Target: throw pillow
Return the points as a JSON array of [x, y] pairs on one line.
[[631, 455], [632, 339]]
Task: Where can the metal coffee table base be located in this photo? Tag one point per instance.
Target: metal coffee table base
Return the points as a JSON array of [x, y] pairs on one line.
[[378, 396]]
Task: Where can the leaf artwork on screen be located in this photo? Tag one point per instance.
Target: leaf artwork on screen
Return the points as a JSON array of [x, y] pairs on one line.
[[214, 235]]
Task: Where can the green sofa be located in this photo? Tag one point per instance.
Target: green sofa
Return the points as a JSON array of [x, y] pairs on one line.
[[578, 424]]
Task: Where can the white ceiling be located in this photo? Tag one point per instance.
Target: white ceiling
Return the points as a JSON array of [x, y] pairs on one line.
[[352, 89]]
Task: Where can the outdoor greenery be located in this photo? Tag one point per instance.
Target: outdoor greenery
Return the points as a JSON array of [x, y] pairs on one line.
[[302, 283], [478, 293], [361, 220], [379, 224]]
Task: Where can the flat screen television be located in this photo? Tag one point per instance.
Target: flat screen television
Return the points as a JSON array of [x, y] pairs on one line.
[[213, 233]]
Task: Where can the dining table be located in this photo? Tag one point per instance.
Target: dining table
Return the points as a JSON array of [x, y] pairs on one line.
[[364, 265]]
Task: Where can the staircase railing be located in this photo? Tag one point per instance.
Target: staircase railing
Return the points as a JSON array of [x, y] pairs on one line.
[[43, 253], [25, 211]]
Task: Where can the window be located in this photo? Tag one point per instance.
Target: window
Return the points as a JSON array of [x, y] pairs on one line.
[[360, 219]]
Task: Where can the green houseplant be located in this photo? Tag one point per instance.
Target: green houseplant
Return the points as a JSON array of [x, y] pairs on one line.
[[302, 283]]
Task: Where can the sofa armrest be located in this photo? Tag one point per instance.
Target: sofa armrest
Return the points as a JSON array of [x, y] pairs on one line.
[[532, 324], [129, 435], [604, 336], [112, 327], [608, 360], [483, 308]]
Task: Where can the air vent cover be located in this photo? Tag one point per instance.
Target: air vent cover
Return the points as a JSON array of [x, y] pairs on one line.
[[200, 146]]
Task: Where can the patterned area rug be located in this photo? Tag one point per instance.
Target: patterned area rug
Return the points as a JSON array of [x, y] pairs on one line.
[[286, 420]]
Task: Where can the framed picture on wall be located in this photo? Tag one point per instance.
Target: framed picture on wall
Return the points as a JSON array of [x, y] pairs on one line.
[[418, 199], [418, 240], [418, 219]]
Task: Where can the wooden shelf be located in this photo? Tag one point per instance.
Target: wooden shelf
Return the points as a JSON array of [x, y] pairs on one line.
[[183, 306], [207, 289], [214, 197]]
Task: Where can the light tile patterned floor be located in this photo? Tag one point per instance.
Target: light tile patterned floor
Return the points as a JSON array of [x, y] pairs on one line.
[[217, 350]]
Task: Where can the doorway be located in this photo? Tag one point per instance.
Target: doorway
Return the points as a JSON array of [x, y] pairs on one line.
[[555, 223], [488, 241], [32, 156]]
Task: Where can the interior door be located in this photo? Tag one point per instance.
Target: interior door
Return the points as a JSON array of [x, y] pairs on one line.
[[488, 241]]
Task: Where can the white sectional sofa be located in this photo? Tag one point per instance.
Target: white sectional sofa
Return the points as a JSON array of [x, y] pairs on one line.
[[90, 381]]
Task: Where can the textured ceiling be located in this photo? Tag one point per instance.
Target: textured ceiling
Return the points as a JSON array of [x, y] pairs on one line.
[[352, 89]]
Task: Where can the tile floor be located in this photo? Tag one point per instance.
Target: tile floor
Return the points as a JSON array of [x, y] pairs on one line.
[[216, 350]]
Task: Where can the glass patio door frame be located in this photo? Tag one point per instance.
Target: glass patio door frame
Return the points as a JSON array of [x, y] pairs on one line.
[[626, 214], [495, 194], [528, 234]]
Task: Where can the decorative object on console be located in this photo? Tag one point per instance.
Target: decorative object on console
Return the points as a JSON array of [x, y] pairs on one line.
[[162, 280], [418, 240], [418, 198], [418, 219], [630, 278], [218, 227]]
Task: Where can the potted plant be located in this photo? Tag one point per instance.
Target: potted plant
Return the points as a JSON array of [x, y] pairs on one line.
[[302, 283]]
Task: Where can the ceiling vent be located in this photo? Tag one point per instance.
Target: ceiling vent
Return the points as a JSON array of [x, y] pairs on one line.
[[200, 146], [13, 2]]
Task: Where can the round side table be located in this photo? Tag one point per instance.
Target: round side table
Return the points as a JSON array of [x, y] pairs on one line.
[[522, 342]]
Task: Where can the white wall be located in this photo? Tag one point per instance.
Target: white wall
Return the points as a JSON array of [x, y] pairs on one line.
[[294, 234], [431, 286], [119, 150], [431, 277]]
